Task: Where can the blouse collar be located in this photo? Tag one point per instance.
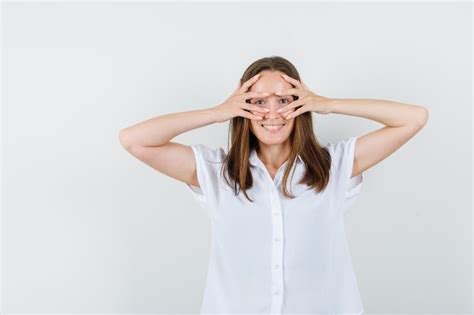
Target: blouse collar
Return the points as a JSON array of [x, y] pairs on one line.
[[253, 159]]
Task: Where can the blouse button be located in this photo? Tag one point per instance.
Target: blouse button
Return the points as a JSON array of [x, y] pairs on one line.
[[276, 239], [276, 213], [277, 266], [276, 292]]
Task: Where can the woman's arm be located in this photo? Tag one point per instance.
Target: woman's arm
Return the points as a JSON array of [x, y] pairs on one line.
[[149, 141], [389, 113], [160, 130], [402, 122]]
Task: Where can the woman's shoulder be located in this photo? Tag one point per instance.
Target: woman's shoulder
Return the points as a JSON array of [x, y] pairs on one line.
[[339, 148], [209, 153]]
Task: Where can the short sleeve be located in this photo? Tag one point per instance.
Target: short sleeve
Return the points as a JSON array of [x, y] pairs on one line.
[[347, 188], [207, 165]]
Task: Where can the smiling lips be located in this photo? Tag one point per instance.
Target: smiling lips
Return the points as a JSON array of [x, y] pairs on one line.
[[272, 127]]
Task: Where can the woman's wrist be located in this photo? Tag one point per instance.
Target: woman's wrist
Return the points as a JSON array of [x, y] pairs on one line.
[[332, 105]]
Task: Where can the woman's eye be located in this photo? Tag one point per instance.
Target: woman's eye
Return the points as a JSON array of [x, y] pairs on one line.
[[259, 102]]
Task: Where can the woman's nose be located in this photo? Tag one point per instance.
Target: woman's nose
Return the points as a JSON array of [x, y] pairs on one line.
[[273, 111], [274, 107], [273, 114]]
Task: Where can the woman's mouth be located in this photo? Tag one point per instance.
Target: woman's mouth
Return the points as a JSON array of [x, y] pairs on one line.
[[273, 128]]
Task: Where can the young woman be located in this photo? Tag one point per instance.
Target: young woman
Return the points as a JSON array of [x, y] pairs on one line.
[[277, 198]]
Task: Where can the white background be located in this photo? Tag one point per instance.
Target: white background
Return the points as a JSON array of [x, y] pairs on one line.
[[89, 228]]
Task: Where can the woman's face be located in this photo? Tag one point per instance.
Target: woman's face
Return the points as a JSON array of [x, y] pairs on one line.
[[271, 81]]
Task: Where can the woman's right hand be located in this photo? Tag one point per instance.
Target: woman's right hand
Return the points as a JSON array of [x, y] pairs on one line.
[[236, 104]]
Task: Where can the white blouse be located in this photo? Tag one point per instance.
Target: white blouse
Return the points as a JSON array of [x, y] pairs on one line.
[[279, 255]]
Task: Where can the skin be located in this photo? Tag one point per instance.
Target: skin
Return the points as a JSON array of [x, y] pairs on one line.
[[150, 140], [274, 147]]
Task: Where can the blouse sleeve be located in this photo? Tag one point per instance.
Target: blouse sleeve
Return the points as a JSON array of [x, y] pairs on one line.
[[207, 161], [347, 187]]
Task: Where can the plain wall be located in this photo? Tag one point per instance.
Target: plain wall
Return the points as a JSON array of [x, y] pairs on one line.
[[87, 228]]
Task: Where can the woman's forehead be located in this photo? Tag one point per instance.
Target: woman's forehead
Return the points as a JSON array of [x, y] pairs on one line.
[[270, 84]]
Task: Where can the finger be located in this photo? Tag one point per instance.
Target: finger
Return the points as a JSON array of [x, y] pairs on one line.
[[286, 113], [292, 81], [249, 83], [292, 105], [259, 114], [304, 85], [238, 86], [296, 113], [255, 108], [248, 115], [293, 91], [253, 94]]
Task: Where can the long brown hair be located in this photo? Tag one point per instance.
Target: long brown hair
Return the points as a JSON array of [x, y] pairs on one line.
[[302, 140]]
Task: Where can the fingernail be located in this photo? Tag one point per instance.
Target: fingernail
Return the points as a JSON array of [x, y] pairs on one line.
[[280, 110], [278, 93]]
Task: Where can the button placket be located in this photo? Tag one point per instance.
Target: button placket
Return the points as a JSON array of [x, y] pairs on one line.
[[277, 251], [277, 248]]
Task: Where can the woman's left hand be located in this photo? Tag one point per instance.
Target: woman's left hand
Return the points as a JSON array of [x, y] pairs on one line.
[[308, 100]]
